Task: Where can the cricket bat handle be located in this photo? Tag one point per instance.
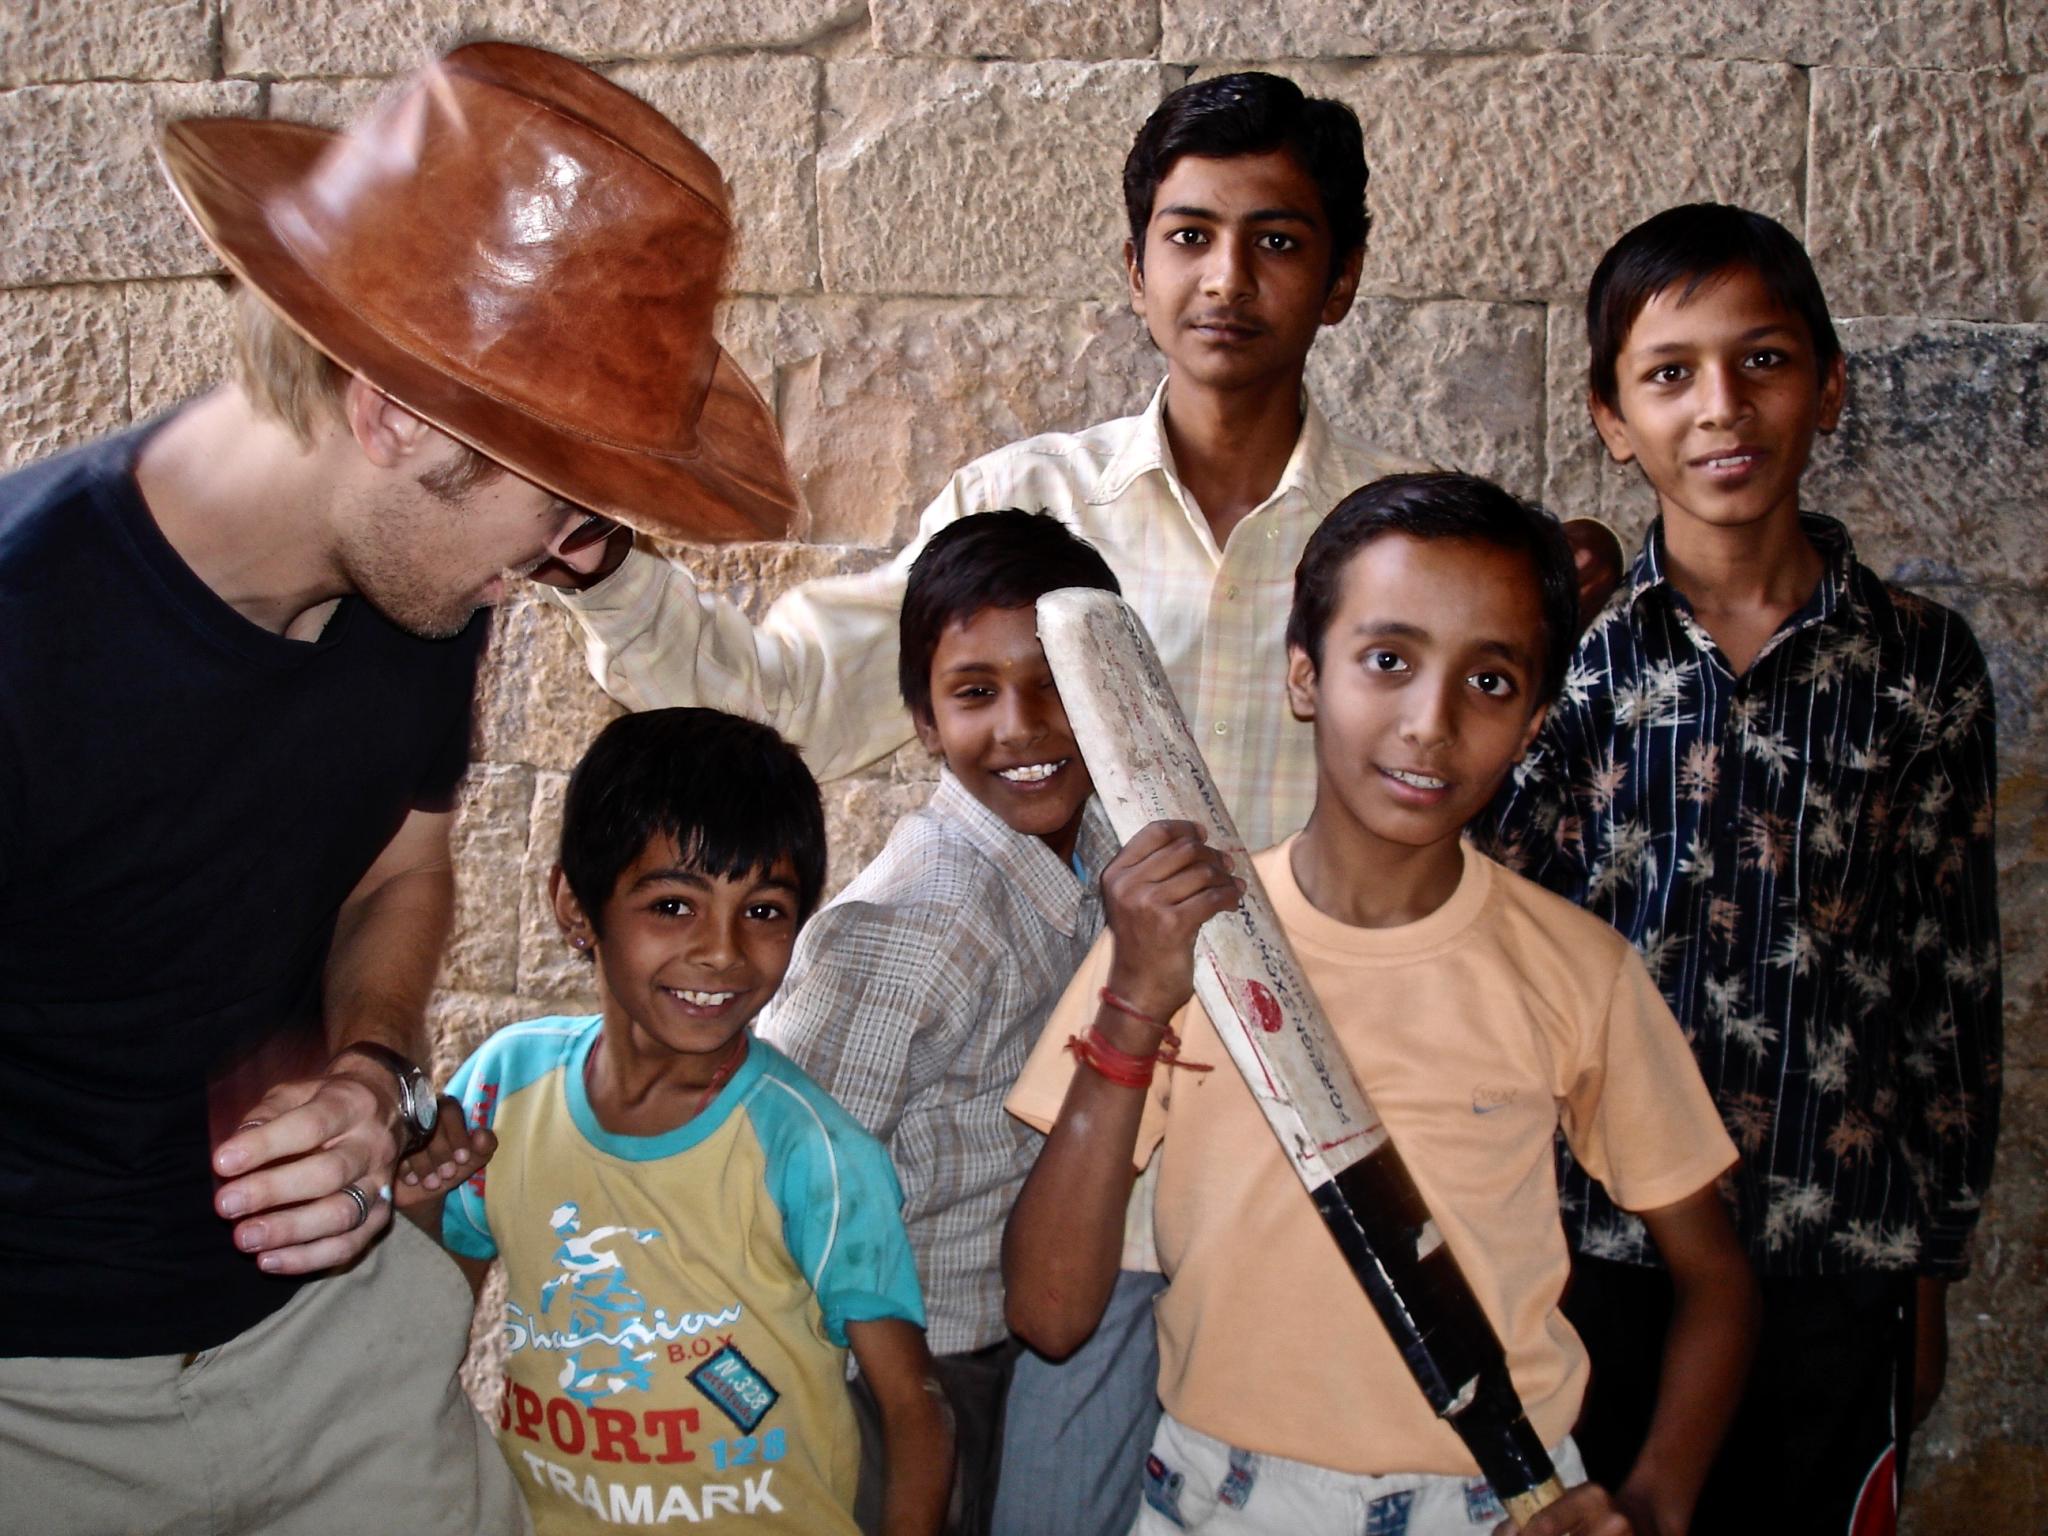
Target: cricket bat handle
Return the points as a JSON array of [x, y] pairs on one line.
[[1523, 1506], [1147, 767]]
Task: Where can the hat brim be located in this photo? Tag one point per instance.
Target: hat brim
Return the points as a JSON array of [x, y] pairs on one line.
[[736, 486]]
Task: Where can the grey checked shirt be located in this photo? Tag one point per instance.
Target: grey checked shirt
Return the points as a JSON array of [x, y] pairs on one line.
[[915, 997]]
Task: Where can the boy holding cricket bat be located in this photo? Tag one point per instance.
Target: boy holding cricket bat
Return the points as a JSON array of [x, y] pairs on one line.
[[1432, 620]]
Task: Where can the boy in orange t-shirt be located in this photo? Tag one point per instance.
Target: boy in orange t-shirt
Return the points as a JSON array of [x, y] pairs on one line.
[[1433, 615]]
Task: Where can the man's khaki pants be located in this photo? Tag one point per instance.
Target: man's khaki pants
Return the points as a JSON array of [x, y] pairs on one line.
[[342, 1412]]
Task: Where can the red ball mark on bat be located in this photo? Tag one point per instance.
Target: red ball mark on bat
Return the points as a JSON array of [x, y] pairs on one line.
[[1265, 1008]]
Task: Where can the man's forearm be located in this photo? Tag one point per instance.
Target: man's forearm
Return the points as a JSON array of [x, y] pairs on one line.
[[386, 953]]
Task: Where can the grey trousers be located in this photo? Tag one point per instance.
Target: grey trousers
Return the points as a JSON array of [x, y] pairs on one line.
[[1076, 1433], [340, 1412]]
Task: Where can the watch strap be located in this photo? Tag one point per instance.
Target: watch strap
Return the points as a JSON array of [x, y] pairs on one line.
[[413, 1083]]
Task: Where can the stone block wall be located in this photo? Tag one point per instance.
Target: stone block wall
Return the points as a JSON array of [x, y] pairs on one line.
[[928, 192]]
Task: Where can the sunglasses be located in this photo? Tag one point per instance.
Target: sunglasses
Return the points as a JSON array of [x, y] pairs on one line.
[[594, 529]]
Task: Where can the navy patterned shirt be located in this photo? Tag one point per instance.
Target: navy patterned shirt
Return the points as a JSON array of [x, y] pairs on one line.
[[1803, 856]]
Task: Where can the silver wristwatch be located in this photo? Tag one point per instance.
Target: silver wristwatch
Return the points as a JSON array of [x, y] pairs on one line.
[[418, 1105]]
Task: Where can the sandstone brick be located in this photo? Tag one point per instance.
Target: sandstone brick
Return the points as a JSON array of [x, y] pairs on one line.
[[330, 103], [180, 340], [1899, 32], [63, 370], [549, 970], [2011, 625], [859, 815], [1996, 1320], [1963, 36], [535, 700], [1927, 193], [881, 400], [756, 115], [1579, 479], [1040, 29], [1938, 467], [977, 178], [1505, 178], [1941, 463], [50, 40], [1460, 385], [2026, 36], [347, 37], [490, 846], [80, 182], [746, 329], [1308, 29], [458, 1022]]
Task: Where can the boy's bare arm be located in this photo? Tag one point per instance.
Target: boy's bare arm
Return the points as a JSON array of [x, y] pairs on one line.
[[917, 1424], [1716, 1305], [456, 1151], [1065, 1234]]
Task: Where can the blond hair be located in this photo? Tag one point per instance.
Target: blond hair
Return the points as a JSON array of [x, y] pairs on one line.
[[292, 381], [284, 375]]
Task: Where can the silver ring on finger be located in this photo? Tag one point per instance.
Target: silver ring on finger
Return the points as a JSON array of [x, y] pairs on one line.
[[362, 1203]]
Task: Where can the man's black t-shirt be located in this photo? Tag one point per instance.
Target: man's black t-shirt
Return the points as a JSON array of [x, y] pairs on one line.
[[185, 801]]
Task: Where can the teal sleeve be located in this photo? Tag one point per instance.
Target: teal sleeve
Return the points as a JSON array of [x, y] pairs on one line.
[[841, 1207], [512, 1059]]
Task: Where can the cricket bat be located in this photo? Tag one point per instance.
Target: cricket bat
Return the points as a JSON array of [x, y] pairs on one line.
[[1147, 768]]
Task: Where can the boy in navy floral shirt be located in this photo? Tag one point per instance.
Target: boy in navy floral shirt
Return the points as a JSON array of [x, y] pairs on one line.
[[1775, 773]]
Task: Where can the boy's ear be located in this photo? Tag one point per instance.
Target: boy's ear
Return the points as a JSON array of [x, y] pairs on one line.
[[1301, 683], [927, 731], [1345, 289], [569, 914], [1834, 391], [1613, 430], [1134, 271], [386, 431]]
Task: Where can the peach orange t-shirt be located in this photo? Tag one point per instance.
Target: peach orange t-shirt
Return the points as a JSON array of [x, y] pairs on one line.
[[1478, 1031]]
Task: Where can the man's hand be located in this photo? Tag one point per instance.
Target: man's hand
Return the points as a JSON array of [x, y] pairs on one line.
[[452, 1154], [287, 1163], [1597, 560], [1586, 1510], [1157, 892]]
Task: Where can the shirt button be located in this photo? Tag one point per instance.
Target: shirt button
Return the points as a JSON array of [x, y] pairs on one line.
[[1272, 534], [1222, 727], [1231, 594]]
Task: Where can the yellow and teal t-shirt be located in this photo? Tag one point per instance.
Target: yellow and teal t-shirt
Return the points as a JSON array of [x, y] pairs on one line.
[[676, 1305]]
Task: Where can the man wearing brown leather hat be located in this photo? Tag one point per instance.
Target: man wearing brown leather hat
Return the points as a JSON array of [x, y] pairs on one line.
[[239, 647]]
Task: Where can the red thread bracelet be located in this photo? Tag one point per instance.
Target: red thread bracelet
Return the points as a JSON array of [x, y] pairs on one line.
[[1106, 1060]]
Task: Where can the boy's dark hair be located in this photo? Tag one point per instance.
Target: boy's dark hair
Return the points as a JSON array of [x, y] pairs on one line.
[[1254, 114], [1439, 506], [1693, 245], [734, 795], [1006, 559]]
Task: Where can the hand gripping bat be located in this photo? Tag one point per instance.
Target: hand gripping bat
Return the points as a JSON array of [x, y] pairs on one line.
[[1147, 768]]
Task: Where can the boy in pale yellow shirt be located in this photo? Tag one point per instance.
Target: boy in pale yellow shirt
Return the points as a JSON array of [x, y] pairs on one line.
[[1432, 619]]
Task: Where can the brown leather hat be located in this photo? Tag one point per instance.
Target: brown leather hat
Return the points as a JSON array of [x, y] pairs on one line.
[[525, 255]]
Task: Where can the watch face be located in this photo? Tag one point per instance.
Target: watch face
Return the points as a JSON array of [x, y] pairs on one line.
[[426, 1104]]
